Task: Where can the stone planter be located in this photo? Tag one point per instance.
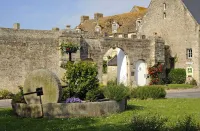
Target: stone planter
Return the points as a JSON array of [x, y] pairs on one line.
[[66, 110]]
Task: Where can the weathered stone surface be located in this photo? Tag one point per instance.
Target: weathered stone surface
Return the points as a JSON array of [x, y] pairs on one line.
[[179, 30], [28, 110], [22, 51], [63, 110], [48, 81]]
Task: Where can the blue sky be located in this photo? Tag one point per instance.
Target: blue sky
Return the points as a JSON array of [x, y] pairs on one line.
[[45, 14]]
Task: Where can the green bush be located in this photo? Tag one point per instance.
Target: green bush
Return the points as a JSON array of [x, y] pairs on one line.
[[18, 98], [5, 94], [148, 122], [193, 82], [186, 124], [154, 92], [81, 78], [94, 95], [65, 94], [177, 76], [116, 92]]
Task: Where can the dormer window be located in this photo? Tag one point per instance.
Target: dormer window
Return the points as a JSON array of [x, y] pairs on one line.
[[115, 26], [138, 23], [98, 28]]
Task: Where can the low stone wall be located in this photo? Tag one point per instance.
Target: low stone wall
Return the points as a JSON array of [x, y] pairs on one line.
[[63, 110]]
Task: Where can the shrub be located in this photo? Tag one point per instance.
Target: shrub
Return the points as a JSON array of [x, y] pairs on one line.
[[94, 95], [193, 82], [155, 73], [187, 124], [148, 122], [177, 76], [116, 92], [65, 94], [81, 77], [18, 98], [5, 94], [146, 92]]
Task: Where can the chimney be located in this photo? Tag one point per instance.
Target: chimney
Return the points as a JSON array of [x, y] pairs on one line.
[[84, 18], [55, 29], [98, 15], [68, 27], [16, 26]]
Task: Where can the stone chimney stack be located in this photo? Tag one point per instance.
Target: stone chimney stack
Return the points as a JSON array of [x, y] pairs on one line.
[[98, 15], [84, 18], [68, 27], [55, 29], [16, 26]]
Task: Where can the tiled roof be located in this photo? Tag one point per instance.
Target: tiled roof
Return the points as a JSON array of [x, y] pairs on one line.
[[126, 22], [194, 7]]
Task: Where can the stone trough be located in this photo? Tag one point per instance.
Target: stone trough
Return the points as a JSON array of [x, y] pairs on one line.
[[47, 106]]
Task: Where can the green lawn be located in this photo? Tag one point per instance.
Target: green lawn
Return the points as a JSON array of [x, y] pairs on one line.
[[178, 86], [170, 108]]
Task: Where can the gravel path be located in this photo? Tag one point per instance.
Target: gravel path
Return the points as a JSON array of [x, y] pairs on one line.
[[5, 103]]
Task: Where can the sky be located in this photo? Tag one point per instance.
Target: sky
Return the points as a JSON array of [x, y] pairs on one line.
[[46, 14]]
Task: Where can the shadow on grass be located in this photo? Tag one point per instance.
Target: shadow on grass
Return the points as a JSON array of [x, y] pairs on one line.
[[134, 107]]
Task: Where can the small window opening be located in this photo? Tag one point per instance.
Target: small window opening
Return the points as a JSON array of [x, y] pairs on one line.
[[164, 15], [189, 53], [164, 6]]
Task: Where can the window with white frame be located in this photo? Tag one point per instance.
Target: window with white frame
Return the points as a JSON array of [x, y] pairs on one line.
[[189, 53]]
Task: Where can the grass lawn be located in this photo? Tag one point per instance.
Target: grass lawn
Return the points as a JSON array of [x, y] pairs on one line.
[[178, 86], [170, 108]]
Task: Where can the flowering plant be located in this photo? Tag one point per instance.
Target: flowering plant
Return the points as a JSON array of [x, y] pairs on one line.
[[73, 100], [154, 73], [69, 47]]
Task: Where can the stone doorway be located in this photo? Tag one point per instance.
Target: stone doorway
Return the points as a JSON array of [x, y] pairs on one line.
[[141, 73]]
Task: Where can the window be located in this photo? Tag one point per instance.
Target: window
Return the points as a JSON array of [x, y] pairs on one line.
[[138, 23], [189, 53], [115, 26], [164, 15], [164, 6]]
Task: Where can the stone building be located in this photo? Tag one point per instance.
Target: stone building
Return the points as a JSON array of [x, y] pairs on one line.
[[177, 22], [22, 50]]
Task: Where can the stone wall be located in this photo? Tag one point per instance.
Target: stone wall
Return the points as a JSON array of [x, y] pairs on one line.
[[22, 51], [135, 49], [179, 30], [66, 110]]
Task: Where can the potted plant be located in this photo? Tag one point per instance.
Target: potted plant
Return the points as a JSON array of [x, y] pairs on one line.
[[69, 47]]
